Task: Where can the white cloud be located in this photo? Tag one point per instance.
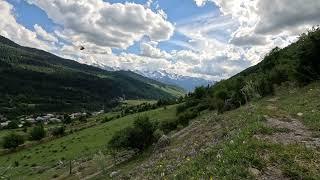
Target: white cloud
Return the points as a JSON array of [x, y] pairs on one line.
[[44, 34], [200, 2], [260, 25], [109, 25], [11, 29], [277, 16], [148, 50], [148, 3]]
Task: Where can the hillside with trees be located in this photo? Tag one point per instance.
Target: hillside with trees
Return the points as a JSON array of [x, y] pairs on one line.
[[34, 81], [297, 64]]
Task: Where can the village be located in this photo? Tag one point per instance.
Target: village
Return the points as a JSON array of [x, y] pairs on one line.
[[50, 118]]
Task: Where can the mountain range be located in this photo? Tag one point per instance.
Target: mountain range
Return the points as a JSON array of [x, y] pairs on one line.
[[188, 83], [33, 81]]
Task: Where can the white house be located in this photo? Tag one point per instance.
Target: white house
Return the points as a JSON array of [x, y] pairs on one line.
[[31, 120], [41, 119], [55, 120]]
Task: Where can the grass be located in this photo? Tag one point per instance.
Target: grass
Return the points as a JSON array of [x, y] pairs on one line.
[[138, 102], [232, 158], [239, 150], [78, 145]]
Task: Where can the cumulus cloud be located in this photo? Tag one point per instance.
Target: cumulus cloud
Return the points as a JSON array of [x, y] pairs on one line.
[[260, 26], [277, 16], [149, 50], [44, 34], [11, 29], [104, 24]]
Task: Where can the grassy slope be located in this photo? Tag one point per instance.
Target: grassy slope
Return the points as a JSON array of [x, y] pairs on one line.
[[78, 145], [227, 147]]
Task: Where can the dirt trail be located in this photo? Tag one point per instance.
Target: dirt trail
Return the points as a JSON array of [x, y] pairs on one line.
[[292, 131]]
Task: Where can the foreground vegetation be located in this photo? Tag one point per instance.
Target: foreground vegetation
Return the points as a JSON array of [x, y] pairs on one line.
[[240, 144], [41, 160]]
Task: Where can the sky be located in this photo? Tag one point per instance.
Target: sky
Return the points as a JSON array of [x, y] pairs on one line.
[[211, 39]]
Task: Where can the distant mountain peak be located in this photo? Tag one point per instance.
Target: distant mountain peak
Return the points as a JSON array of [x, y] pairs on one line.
[[186, 82]]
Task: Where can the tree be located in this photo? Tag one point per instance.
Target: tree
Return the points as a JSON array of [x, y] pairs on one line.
[[12, 141], [200, 92], [12, 125], [67, 119], [140, 136], [58, 131], [38, 133]]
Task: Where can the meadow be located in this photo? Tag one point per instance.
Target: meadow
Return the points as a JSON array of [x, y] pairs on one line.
[[36, 161]]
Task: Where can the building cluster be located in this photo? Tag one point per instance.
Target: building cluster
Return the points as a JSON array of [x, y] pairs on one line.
[[45, 119]]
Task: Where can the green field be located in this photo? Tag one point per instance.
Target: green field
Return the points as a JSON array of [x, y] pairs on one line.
[[37, 161], [138, 102]]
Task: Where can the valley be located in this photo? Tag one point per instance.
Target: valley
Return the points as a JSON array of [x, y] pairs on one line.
[[136, 90]]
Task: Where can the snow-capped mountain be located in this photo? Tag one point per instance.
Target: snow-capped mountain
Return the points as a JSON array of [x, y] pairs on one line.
[[185, 82]]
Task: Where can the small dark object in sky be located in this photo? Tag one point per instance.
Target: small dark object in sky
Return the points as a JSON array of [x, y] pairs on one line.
[[82, 48]]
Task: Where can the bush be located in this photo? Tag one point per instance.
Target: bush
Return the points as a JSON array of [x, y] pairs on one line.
[[158, 134], [107, 119], [38, 133], [58, 131], [140, 136], [67, 119], [168, 125], [83, 119], [12, 141], [184, 118], [12, 125], [181, 108]]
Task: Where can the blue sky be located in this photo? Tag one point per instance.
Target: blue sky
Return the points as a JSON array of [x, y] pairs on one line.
[[212, 39]]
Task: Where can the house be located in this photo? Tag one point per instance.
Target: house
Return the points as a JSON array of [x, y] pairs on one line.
[[40, 119], [2, 118], [55, 120], [4, 124], [31, 120], [75, 115], [50, 115]]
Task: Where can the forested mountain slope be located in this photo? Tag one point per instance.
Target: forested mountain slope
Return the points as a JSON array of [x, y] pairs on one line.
[[33, 80]]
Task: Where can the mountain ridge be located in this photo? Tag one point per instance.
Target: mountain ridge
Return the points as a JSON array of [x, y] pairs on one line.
[[34, 80]]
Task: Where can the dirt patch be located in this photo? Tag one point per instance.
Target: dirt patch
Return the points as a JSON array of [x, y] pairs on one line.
[[297, 133], [272, 173]]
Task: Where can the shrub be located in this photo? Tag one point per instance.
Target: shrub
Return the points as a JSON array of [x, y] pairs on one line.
[[168, 125], [83, 119], [58, 131], [12, 141], [38, 133], [158, 134], [140, 136], [184, 118], [12, 125], [181, 108], [107, 119], [67, 119]]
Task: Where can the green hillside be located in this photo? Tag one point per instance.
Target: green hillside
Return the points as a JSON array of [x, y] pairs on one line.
[[297, 64], [33, 80]]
